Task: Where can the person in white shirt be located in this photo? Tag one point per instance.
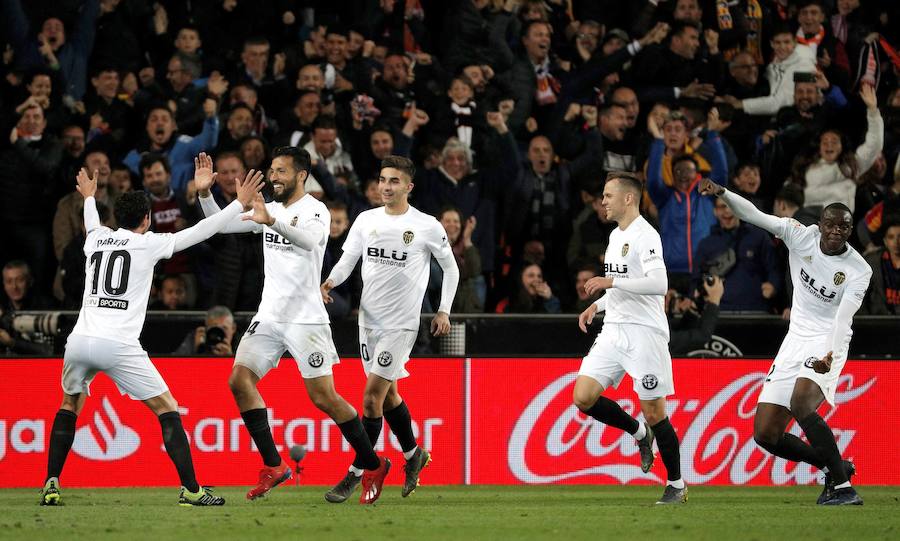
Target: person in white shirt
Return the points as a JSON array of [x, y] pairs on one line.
[[635, 334], [294, 230], [830, 283], [396, 243], [119, 273]]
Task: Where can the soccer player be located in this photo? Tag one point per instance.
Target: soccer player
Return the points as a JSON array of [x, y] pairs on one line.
[[396, 242], [291, 317], [119, 272], [830, 282], [635, 333]]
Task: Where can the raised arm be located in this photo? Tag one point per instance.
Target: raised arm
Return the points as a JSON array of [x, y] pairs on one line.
[[204, 177], [247, 191], [743, 209], [87, 187], [867, 152]]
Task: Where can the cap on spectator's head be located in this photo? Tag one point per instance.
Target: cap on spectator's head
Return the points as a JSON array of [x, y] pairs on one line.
[[804, 77], [616, 33]]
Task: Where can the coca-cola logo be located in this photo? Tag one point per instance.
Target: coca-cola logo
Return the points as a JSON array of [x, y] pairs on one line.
[[552, 441]]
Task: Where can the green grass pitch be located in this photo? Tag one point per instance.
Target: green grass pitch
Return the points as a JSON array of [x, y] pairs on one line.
[[563, 513]]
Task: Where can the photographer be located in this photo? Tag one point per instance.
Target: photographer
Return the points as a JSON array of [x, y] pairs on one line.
[[691, 327], [216, 337], [18, 295]]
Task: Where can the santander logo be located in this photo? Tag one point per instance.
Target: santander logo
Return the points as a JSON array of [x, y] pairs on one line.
[[116, 440], [553, 441]]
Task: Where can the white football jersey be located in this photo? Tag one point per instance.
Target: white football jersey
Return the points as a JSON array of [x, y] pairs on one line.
[[820, 281], [396, 262], [633, 253], [118, 277], [291, 290]]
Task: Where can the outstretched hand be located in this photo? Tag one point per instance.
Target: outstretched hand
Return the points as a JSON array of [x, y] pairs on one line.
[[248, 191], [203, 174], [87, 185], [260, 212]]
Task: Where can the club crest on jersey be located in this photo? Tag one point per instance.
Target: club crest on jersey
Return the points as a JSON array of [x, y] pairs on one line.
[[408, 237], [624, 249], [315, 359], [294, 221], [649, 382], [839, 278], [385, 358], [809, 362]]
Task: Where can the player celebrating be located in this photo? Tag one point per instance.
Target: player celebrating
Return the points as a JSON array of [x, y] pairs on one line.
[[635, 333], [119, 272], [291, 316], [830, 280], [396, 242]]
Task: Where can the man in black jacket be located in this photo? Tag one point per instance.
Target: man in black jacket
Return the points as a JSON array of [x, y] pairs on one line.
[[690, 327]]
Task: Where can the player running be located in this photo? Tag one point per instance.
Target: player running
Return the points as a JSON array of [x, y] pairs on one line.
[[396, 242], [635, 334], [119, 272], [291, 317], [830, 282]]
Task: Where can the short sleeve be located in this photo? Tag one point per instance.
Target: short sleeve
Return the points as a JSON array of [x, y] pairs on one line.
[[354, 242], [437, 241], [651, 253], [160, 245]]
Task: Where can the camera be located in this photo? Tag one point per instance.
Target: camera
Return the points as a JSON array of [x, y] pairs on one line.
[[46, 323], [213, 337], [709, 279]]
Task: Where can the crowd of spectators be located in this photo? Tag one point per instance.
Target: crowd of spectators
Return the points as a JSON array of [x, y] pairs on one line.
[[513, 111]]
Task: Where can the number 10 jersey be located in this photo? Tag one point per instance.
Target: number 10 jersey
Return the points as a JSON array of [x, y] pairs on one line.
[[118, 277]]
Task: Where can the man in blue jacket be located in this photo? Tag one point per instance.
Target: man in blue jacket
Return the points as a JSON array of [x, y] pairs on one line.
[[685, 216], [745, 257]]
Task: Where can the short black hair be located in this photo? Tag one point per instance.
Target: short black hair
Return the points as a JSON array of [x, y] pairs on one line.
[[629, 181], [336, 205], [148, 159], [739, 168], [325, 122], [404, 165], [131, 208], [684, 158], [791, 194], [678, 27], [450, 208], [299, 156], [837, 205]]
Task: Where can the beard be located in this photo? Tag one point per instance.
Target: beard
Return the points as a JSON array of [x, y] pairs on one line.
[[285, 195]]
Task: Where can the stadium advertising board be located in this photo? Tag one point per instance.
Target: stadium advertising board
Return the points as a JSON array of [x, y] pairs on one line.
[[487, 421]]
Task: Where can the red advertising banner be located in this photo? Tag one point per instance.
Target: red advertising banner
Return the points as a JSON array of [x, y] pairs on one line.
[[118, 441], [524, 428], [486, 421]]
